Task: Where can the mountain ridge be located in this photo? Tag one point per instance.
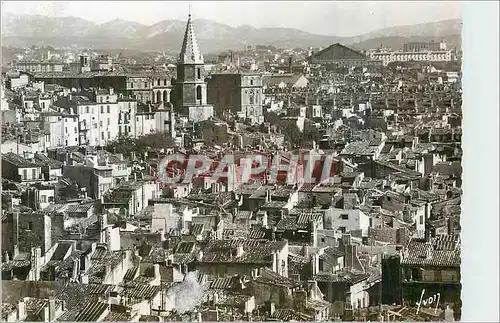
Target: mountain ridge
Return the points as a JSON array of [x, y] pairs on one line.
[[22, 30]]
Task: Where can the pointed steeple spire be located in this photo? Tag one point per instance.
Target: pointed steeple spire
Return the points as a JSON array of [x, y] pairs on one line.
[[190, 52]]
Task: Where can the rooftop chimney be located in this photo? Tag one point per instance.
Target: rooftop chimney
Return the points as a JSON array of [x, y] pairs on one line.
[[239, 251], [449, 314], [272, 308], [156, 268], [314, 263], [346, 239], [76, 268], [21, 310], [268, 196], [52, 310], [300, 298], [428, 252]]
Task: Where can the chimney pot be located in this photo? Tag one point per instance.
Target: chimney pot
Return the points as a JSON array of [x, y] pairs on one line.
[[52, 309]]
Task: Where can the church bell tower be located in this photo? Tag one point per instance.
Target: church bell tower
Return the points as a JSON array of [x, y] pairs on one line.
[[190, 84]]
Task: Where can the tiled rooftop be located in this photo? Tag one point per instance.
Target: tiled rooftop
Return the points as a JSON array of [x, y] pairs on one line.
[[441, 251]]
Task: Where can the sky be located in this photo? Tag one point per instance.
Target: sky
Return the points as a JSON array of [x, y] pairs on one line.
[[320, 17]]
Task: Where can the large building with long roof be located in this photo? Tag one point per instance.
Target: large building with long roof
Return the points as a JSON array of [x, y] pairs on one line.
[[338, 54]]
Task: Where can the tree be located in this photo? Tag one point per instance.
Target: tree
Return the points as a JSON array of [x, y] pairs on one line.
[[272, 118], [154, 141], [292, 132], [213, 134], [122, 145], [311, 133]]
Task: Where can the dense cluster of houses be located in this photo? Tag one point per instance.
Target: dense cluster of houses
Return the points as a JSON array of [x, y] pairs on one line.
[[91, 233]]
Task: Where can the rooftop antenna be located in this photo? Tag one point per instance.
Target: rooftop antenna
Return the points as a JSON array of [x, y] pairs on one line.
[[189, 9]]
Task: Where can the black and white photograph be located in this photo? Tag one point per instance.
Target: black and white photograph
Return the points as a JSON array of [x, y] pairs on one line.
[[231, 161]]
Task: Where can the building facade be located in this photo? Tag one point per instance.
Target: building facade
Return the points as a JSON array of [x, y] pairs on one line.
[[424, 46], [387, 57], [38, 66], [238, 93]]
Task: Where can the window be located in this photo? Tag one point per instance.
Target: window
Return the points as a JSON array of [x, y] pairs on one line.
[[415, 274], [251, 82], [107, 97], [86, 109], [198, 73], [109, 122], [421, 219], [102, 108], [100, 123], [102, 135], [342, 229], [198, 92], [165, 82], [345, 216], [65, 130], [25, 174], [30, 225], [145, 84], [131, 85], [33, 174], [109, 134], [158, 82], [108, 108], [251, 99], [76, 130]]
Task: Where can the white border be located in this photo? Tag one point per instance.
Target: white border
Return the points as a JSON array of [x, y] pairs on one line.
[[480, 210]]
